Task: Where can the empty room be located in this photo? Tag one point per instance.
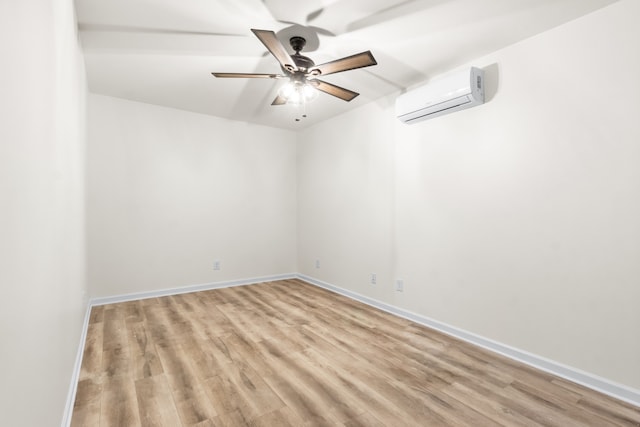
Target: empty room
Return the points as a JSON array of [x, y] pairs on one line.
[[329, 212]]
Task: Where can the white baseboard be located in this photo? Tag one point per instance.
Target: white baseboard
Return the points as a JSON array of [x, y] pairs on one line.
[[188, 289], [75, 375], [619, 391]]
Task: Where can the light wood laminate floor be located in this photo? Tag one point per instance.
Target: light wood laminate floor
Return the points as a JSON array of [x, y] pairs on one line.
[[288, 353]]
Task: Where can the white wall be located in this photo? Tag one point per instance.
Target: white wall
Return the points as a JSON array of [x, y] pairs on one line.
[[345, 200], [171, 191], [42, 283], [517, 220]]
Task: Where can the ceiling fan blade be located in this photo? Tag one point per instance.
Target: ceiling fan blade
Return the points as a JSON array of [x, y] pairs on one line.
[[279, 100], [359, 60], [331, 89], [269, 39], [247, 75]]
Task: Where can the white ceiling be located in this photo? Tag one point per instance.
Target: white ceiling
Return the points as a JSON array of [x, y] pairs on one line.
[[163, 51]]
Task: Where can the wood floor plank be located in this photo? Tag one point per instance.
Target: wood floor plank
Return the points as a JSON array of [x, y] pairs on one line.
[[92, 354], [323, 386], [283, 417], [155, 402], [224, 396], [187, 388], [208, 357], [114, 330], [97, 314], [209, 423], [86, 410], [301, 400], [364, 380], [144, 361], [132, 311], [119, 403], [287, 353], [196, 410], [245, 352], [619, 414], [550, 402], [256, 392], [117, 362], [242, 321]]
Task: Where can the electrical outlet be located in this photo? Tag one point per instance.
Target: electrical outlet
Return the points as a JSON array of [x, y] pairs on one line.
[[373, 278], [317, 263], [216, 265], [399, 285]]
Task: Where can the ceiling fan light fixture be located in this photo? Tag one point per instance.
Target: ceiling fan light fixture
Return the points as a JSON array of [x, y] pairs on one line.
[[297, 93], [287, 90], [309, 92]]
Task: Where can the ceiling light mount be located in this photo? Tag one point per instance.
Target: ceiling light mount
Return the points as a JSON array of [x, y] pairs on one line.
[[297, 43]]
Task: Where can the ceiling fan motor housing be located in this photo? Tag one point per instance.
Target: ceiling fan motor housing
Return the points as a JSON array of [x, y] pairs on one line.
[[303, 63]]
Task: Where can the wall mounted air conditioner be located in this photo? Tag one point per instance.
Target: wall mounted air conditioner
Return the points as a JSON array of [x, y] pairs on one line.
[[453, 92]]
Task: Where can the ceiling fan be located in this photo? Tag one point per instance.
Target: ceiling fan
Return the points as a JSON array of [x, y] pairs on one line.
[[302, 72]]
